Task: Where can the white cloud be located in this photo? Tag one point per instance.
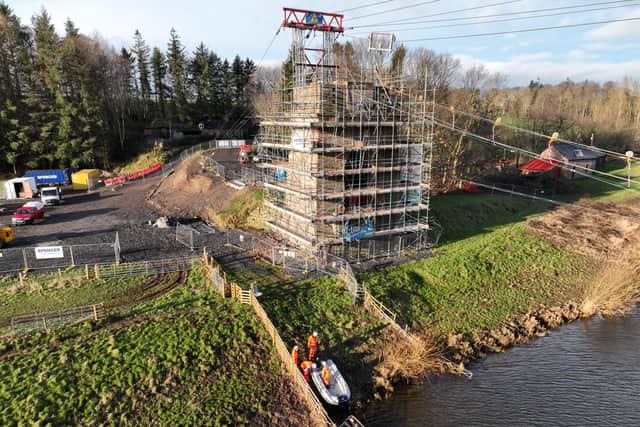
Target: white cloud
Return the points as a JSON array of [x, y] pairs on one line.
[[582, 55], [617, 30], [531, 57], [268, 63], [610, 46], [521, 72]]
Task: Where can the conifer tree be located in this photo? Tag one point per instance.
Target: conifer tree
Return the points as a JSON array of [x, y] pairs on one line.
[[141, 52], [178, 71], [159, 71]]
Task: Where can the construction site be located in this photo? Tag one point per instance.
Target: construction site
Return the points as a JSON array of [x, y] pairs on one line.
[[299, 277], [347, 152]]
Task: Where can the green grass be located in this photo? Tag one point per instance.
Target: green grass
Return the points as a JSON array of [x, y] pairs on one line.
[[463, 215], [607, 193], [244, 212], [480, 281], [47, 293], [187, 358], [143, 161], [489, 267], [348, 333]]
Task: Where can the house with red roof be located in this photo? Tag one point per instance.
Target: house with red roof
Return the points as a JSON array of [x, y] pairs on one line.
[[564, 159]]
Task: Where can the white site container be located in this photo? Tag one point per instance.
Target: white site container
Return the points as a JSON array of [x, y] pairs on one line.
[[13, 187]]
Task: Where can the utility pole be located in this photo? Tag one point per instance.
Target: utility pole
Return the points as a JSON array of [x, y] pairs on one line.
[[629, 155]]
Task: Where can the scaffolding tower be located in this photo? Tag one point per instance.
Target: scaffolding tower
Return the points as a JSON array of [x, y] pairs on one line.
[[347, 149]]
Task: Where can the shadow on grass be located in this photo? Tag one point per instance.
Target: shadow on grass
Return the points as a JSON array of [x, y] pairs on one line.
[[464, 215]]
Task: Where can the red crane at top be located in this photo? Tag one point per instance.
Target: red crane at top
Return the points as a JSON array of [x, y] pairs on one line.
[[312, 20]]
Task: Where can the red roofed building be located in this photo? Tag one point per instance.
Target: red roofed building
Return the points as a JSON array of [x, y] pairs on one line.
[[559, 158]]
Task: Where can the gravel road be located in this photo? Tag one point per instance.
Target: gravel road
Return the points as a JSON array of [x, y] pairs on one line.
[[84, 219]]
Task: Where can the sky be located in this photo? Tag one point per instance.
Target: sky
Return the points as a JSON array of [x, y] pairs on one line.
[[600, 52]]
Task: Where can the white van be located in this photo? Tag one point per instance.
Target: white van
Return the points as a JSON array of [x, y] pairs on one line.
[[50, 196]]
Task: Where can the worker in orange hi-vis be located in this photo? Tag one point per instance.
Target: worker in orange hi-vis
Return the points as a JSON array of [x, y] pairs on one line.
[[306, 369], [326, 374], [295, 354], [312, 344]]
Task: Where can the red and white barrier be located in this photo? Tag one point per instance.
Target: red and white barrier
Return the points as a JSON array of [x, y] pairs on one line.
[[134, 176]]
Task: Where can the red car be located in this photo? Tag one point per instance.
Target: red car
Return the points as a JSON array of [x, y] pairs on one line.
[[28, 213]]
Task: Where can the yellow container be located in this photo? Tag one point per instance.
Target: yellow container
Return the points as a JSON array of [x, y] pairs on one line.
[[85, 179]]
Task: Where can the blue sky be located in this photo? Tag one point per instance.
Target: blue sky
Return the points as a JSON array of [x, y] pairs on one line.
[[601, 52]]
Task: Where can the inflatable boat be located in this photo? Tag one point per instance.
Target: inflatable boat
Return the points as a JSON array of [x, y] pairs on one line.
[[338, 391]]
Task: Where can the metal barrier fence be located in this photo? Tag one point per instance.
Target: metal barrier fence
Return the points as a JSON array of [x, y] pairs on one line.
[[292, 260], [341, 268], [251, 175], [186, 235], [51, 258], [194, 236], [219, 279], [54, 319], [145, 268], [168, 168]]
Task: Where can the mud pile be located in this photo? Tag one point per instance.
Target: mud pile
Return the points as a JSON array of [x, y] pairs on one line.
[[603, 231], [193, 191]]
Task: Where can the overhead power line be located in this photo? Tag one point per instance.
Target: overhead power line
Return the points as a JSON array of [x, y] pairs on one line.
[[269, 45], [530, 132], [572, 167], [468, 9], [409, 21], [394, 10], [525, 30], [364, 5], [579, 170], [518, 18]]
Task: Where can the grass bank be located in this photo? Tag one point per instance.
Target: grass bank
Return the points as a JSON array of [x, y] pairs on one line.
[[187, 357], [142, 161], [348, 334], [480, 281], [245, 212], [41, 293], [489, 266]]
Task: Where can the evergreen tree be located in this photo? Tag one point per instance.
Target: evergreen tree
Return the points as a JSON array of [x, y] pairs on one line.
[[217, 88], [199, 70], [177, 70], [15, 62], [74, 101], [44, 97], [141, 52], [159, 70]]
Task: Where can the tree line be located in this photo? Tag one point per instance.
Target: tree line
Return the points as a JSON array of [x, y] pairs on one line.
[[74, 100]]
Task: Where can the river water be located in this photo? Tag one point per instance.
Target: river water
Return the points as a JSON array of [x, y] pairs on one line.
[[584, 374]]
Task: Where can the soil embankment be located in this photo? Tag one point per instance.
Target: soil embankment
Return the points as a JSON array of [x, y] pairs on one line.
[[194, 190], [461, 349], [602, 231]]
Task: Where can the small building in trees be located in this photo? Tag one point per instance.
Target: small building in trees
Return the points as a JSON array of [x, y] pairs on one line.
[[565, 159]]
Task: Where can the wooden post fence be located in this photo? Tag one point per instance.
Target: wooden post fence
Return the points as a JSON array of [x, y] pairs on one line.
[[219, 279]]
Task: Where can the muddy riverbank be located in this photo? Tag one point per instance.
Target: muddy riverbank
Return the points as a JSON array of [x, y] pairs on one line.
[[462, 349]]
